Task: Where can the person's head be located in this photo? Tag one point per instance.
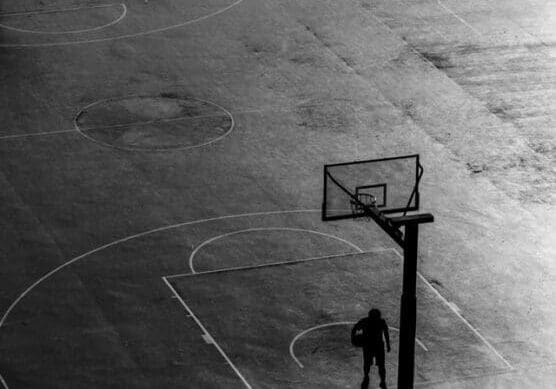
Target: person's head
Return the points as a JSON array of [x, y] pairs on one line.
[[374, 314]]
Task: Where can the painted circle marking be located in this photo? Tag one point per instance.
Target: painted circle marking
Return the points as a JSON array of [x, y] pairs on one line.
[[338, 323], [84, 133]]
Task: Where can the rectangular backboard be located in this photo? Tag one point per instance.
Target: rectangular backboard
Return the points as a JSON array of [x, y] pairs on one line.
[[389, 185]]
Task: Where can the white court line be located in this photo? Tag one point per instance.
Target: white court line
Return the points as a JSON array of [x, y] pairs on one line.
[[273, 264], [458, 314], [16, 136], [207, 334], [3, 382], [113, 22], [135, 236], [215, 238], [338, 323], [125, 36]]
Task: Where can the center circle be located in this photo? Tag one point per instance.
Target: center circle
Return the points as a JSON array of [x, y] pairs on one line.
[[154, 123]]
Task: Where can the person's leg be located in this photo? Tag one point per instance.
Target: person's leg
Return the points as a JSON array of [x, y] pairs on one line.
[[380, 362], [367, 361], [367, 358]]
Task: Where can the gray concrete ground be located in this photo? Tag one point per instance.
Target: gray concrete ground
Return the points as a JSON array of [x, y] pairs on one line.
[[93, 96]]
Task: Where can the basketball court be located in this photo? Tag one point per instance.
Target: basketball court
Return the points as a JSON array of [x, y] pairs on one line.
[[165, 217], [254, 313]]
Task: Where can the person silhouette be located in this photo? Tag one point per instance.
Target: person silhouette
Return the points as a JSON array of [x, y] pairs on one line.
[[370, 331]]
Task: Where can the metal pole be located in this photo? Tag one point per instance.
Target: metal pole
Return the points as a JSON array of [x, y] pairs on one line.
[[406, 361]]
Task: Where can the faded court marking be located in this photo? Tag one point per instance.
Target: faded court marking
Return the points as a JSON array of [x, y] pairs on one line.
[[83, 131]]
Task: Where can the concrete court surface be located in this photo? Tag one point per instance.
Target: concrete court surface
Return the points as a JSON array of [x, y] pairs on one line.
[[133, 132]]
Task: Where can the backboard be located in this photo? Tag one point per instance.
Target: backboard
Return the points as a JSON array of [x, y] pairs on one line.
[[388, 185]]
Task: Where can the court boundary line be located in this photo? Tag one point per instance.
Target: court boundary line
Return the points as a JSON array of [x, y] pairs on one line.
[[459, 315], [238, 232], [337, 323], [122, 15], [205, 332], [124, 36]]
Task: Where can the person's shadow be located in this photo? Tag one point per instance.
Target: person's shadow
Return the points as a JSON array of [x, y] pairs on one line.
[[368, 333]]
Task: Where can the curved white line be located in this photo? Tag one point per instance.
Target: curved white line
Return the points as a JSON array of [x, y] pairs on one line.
[[154, 149], [131, 237], [338, 323], [141, 234], [125, 36], [113, 22], [214, 238]]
